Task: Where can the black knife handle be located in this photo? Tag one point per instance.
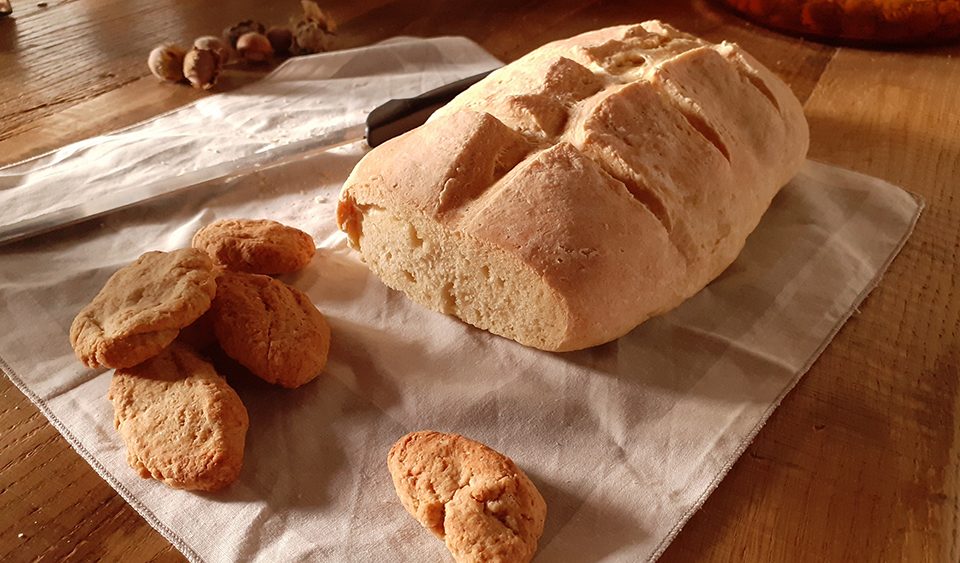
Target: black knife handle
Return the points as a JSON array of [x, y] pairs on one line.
[[399, 116]]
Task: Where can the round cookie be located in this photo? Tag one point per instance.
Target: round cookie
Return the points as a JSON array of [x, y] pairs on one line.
[[273, 329], [182, 423], [255, 246], [473, 498], [142, 308]]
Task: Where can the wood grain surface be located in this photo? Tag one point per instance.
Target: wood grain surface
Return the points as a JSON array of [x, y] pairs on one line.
[[861, 461]]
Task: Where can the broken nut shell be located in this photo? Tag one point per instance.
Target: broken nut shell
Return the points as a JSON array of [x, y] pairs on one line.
[[202, 68], [214, 43]]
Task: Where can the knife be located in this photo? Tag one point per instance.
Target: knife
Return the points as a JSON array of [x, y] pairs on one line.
[[382, 124]]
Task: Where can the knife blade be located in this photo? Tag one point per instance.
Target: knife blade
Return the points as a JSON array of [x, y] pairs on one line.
[[383, 123]]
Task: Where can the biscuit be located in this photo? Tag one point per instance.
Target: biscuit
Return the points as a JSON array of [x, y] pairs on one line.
[[142, 308], [182, 423], [255, 246], [473, 498], [272, 329]]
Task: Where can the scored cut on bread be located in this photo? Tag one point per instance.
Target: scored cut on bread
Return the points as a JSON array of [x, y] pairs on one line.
[[576, 192]]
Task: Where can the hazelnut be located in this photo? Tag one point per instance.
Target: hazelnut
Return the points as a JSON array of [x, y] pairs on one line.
[[281, 38], [254, 47], [214, 43], [233, 33], [166, 62], [315, 32], [202, 67]]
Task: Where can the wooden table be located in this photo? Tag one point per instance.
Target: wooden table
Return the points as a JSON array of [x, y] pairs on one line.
[[861, 461]]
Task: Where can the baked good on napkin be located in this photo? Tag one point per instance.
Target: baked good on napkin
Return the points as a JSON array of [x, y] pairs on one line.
[[181, 422], [256, 246], [591, 184], [142, 308], [473, 498], [271, 328]]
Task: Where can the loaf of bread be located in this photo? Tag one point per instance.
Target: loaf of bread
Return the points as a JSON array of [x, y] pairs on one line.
[[578, 191]]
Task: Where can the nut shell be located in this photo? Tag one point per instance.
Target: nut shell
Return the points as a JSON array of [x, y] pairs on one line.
[[166, 62], [214, 43], [202, 68], [311, 36], [314, 32]]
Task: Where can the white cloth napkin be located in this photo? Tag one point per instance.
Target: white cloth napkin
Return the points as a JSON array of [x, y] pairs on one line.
[[625, 441]]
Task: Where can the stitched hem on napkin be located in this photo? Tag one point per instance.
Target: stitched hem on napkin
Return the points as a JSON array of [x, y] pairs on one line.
[[132, 500]]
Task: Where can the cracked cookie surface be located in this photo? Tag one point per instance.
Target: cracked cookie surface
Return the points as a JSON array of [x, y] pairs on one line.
[[142, 308], [271, 328], [474, 498], [182, 423], [255, 246]]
